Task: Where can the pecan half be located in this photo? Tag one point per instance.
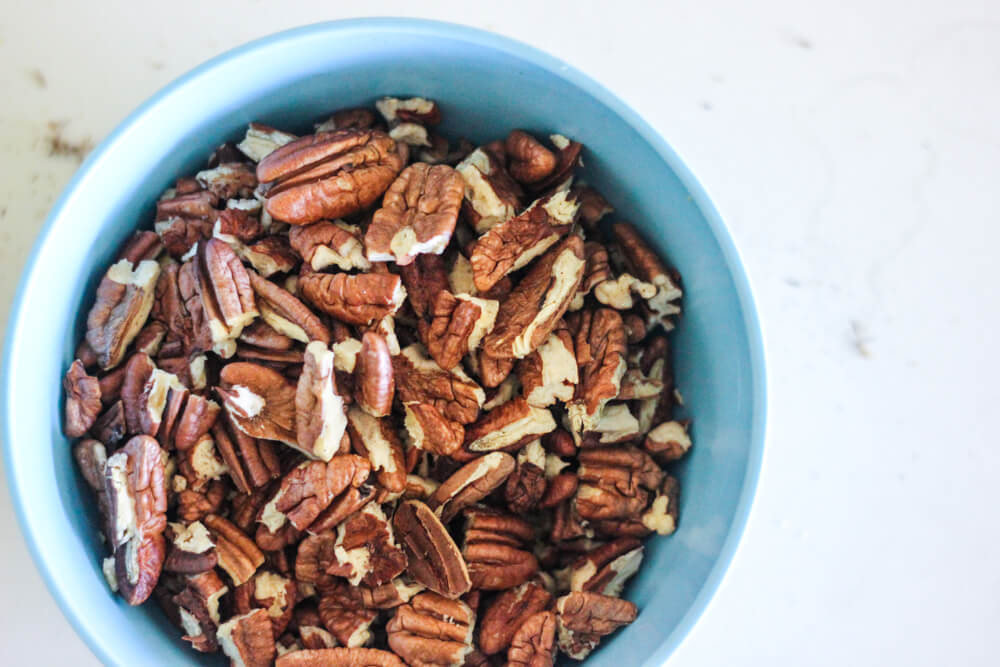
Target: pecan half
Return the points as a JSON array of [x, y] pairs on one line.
[[83, 400], [417, 216], [432, 630], [124, 300], [195, 421], [238, 556], [328, 175], [567, 159], [325, 244], [470, 484], [320, 420], [198, 607], [259, 400], [271, 592], [514, 243], [491, 195], [375, 385], [355, 299], [348, 657], [533, 309], [456, 325], [615, 482], [493, 549], [110, 425], [533, 645], [137, 499], [376, 440], [507, 612], [343, 613], [248, 640], [427, 429], [433, 559], [508, 426], [420, 380], [606, 569], [644, 263], [286, 314], [586, 618], [227, 299]]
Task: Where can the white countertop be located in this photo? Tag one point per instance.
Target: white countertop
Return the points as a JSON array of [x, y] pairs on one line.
[[853, 151]]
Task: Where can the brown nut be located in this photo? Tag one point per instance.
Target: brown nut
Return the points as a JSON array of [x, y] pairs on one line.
[[389, 595], [668, 442], [417, 216], [470, 484], [509, 426], [198, 607], [615, 482], [585, 618], [646, 265], [661, 515], [109, 427], [560, 488], [124, 299], [141, 245], [456, 325], [355, 299], [533, 309], [191, 549], [433, 559], [654, 363], [238, 556], [366, 550], [259, 400], [195, 421], [492, 370], [90, 456], [606, 569], [314, 555], [137, 499], [239, 225], [529, 160], [232, 180], [375, 384], [271, 592], [328, 175], [514, 243], [432, 630], [420, 380], [491, 195], [376, 440], [429, 430], [227, 299], [262, 335], [409, 118], [320, 418], [567, 159], [507, 612], [196, 505], [326, 244], [550, 373], [492, 549], [424, 278], [260, 140], [343, 613], [526, 485], [348, 657], [248, 640], [83, 400], [270, 255], [593, 206], [360, 118], [179, 234], [286, 314], [533, 645], [600, 353]]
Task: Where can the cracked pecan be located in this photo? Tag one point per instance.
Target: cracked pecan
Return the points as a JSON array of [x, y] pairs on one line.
[[455, 326], [606, 569], [511, 608], [615, 482], [320, 418], [533, 645], [491, 195], [366, 550], [355, 299], [259, 400], [376, 440], [250, 462], [238, 556], [529, 161], [470, 484], [646, 265], [424, 278], [550, 373], [271, 592], [600, 353], [191, 549], [232, 180], [198, 607], [83, 400], [432, 630], [526, 485], [509, 426], [124, 300], [586, 618], [420, 380], [349, 657], [326, 244], [248, 640], [342, 611], [417, 216], [668, 442], [285, 313], [567, 159], [328, 175], [375, 384], [593, 206]]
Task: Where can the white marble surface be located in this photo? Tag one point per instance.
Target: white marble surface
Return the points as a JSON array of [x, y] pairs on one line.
[[853, 150]]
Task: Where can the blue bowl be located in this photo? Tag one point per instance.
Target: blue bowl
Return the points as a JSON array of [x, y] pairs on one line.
[[486, 85]]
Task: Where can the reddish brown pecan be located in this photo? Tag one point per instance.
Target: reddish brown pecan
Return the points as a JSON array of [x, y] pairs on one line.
[[271, 592], [491, 195], [424, 278], [141, 245], [259, 400], [248, 639], [615, 482], [232, 180], [509, 426], [493, 549], [260, 140], [429, 430], [137, 498], [419, 380], [250, 462], [110, 425], [198, 607], [320, 419], [343, 613], [645, 264], [417, 216], [124, 299], [191, 549], [366, 550], [227, 298], [239, 225], [529, 160], [668, 442], [375, 385], [260, 334], [606, 569], [600, 353], [83, 400], [180, 234], [238, 556], [376, 440], [347, 657], [286, 314], [560, 488], [360, 118], [196, 505], [593, 206], [585, 618], [508, 611], [355, 299], [533, 645], [470, 484], [326, 244], [455, 326], [408, 119], [328, 175], [568, 159], [432, 630], [533, 309], [433, 559], [195, 421], [550, 373], [270, 255]]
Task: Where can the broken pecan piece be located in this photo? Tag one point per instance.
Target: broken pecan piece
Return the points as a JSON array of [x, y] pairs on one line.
[[355, 299], [668, 442], [328, 175], [124, 299], [470, 484], [366, 550], [529, 161], [348, 657], [511, 608], [550, 373], [420, 380], [533, 645], [248, 639], [259, 400], [491, 195], [376, 440], [606, 569], [644, 263], [615, 482], [433, 559], [417, 216], [343, 613], [600, 353], [320, 419], [191, 549], [424, 278], [493, 549], [238, 556], [286, 314], [456, 325], [586, 618], [432, 630], [271, 592], [325, 244], [198, 607], [509, 426], [83, 400]]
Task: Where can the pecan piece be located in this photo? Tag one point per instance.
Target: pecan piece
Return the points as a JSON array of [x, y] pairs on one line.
[[456, 325], [376, 440], [644, 263], [550, 373], [366, 550], [137, 499], [232, 180], [433, 559], [491, 195], [419, 380], [533, 645], [324, 244], [271, 592], [238, 556], [355, 299], [470, 484], [417, 216], [343, 613], [262, 140], [374, 379], [424, 278], [668, 442], [259, 400], [529, 161], [429, 430], [348, 657], [600, 353], [526, 485], [329, 175], [661, 515], [320, 419], [514, 243], [615, 482], [389, 595], [360, 118], [191, 550], [195, 421], [248, 640], [533, 309], [123, 302], [408, 118], [568, 158], [83, 400], [227, 299], [110, 425], [593, 206], [286, 314], [493, 549], [432, 630], [606, 569], [585, 618], [507, 612], [508, 427], [196, 505], [198, 607]]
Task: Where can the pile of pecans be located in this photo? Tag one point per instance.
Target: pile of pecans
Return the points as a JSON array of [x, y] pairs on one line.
[[371, 397]]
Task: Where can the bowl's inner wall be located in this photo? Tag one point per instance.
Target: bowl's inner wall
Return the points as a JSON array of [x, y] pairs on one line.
[[483, 93]]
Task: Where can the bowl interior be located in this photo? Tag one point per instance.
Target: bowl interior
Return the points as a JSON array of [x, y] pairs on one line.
[[485, 85]]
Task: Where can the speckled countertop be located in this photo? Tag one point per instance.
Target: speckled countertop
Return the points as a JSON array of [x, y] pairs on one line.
[[853, 151]]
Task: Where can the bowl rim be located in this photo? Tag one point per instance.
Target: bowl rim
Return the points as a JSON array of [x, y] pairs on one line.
[[553, 66]]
